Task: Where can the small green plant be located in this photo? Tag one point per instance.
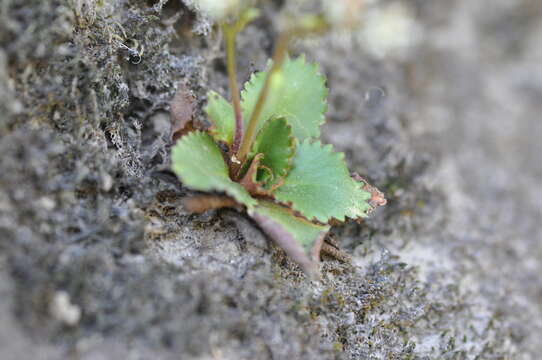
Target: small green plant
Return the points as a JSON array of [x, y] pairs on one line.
[[263, 152]]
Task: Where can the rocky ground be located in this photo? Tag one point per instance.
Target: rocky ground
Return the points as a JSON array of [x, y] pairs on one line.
[[437, 102]]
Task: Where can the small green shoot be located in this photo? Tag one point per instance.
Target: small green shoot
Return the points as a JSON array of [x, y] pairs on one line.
[[262, 151]]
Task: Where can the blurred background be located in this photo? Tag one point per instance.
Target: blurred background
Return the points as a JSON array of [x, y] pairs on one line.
[[437, 102]]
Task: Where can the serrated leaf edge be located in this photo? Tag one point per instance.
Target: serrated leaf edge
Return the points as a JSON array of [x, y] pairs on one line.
[[212, 129], [316, 70], [193, 134], [278, 179], [331, 220], [250, 83]]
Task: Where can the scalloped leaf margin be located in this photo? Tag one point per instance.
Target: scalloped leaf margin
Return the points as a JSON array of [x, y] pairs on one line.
[[320, 187], [277, 144], [220, 113], [198, 163], [297, 92]]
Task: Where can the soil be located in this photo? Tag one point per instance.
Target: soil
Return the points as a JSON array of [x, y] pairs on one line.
[[435, 102]]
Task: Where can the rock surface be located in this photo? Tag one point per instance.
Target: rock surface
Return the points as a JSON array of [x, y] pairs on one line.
[[99, 260]]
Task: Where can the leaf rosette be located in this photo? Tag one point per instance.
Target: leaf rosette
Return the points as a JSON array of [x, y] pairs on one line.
[[291, 184]]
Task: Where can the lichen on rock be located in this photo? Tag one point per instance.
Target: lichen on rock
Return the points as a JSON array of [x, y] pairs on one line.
[[448, 270]]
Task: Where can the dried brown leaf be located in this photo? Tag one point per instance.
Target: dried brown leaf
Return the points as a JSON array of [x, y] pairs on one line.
[[181, 111], [202, 203], [377, 197]]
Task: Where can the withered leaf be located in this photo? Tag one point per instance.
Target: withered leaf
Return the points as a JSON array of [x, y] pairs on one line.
[[181, 111]]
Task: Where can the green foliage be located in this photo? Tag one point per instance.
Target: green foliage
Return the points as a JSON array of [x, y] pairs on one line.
[[297, 92], [220, 114], [198, 162], [320, 187], [290, 183], [276, 143], [300, 238], [304, 231]]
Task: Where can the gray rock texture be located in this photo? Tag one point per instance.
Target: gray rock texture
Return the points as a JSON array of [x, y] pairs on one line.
[[436, 102]]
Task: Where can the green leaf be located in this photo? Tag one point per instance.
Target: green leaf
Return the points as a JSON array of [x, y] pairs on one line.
[[297, 92], [220, 114], [198, 162], [300, 238], [320, 187], [276, 143]]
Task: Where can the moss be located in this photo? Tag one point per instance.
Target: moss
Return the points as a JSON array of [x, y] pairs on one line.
[[83, 93]]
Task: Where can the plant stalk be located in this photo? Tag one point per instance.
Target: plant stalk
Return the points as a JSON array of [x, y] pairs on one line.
[[310, 26], [278, 58], [230, 33]]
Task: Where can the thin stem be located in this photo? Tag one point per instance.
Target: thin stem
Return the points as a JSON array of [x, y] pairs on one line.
[[309, 25], [278, 59], [312, 25], [229, 33]]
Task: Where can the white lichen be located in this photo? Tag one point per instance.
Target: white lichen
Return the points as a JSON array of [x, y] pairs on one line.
[[62, 309], [390, 31]]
